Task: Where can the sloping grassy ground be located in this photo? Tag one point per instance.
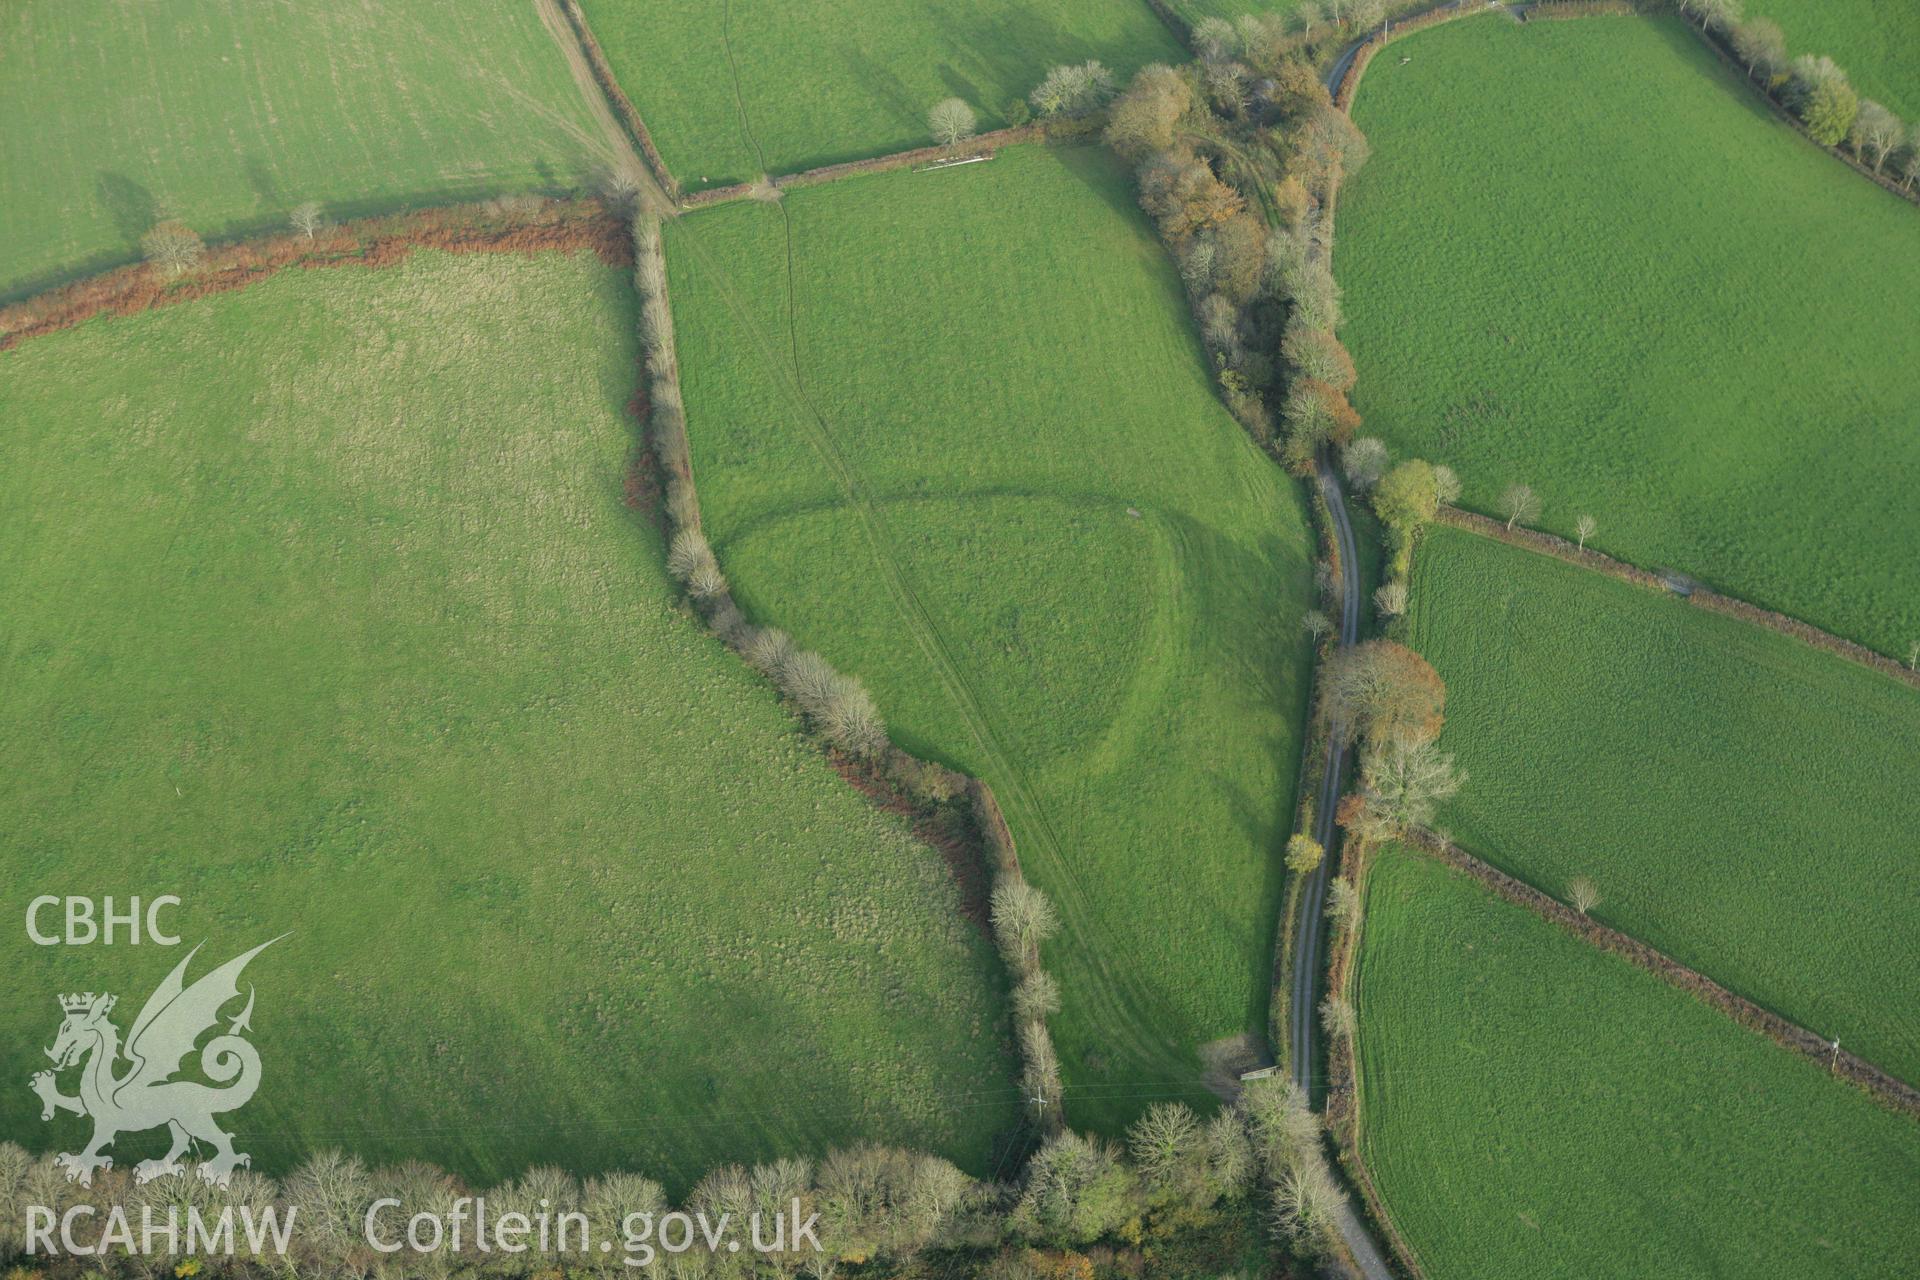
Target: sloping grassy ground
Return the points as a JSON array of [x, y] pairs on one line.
[[228, 113], [1873, 39], [731, 89], [1536, 1108], [985, 471], [319, 608], [1743, 802], [1585, 257]]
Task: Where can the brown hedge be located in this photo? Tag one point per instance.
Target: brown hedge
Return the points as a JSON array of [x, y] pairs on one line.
[[525, 225]]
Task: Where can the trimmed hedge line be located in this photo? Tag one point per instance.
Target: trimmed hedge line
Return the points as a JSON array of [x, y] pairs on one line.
[[1700, 597], [1887, 1089]]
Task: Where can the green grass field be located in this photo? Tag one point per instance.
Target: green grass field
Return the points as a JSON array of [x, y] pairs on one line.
[[731, 89], [1744, 802], [319, 608], [1536, 1108], [986, 471], [1873, 39], [228, 113], [1584, 256]]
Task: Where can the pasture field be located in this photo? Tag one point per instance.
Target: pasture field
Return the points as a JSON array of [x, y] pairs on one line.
[[1533, 1107], [731, 89], [1873, 39], [228, 113], [1654, 303], [1743, 802], [979, 463], [319, 607]]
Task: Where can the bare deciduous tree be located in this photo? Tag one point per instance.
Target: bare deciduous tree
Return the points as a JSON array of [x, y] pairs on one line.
[[1229, 1153], [688, 552], [1583, 894], [1215, 39], [1316, 624], [1072, 90], [1165, 1140], [951, 119], [1520, 503], [1365, 461], [308, 217], [1364, 15], [173, 246], [1391, 599], [1877, 133], [766, 648], [1716, 15], [1023, 918], [1337, 1016], [1446, 485], [1306, 1202], [1585, 527], [1037, 997], [706, 581], [850, 720], [1761, 45], [1402, 782], [1343, 904], [807, 678]]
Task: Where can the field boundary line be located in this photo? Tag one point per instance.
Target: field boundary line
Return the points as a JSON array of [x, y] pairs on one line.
[[589, 48], [1182, 29], [1882, 1085], [384, 240], [980, 145], [1559, 548], [1712, 41]]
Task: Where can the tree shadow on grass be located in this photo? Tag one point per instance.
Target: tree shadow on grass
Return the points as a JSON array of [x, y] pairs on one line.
[[129, 206]]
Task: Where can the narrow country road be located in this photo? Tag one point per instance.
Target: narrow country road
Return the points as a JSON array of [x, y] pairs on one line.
[[1309, 938], [1307, 943]]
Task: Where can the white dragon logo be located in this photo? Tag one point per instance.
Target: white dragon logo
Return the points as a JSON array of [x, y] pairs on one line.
[[143, 1096]]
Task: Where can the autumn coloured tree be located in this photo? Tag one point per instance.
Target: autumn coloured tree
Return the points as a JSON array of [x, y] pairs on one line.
[[1384, 692]]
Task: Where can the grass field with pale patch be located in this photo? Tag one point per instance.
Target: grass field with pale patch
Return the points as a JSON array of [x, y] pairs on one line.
[[1535, 1108], [1586, 257], [1744, 802], [319, 608], [228, 113], [731, 89], [955, 431]]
